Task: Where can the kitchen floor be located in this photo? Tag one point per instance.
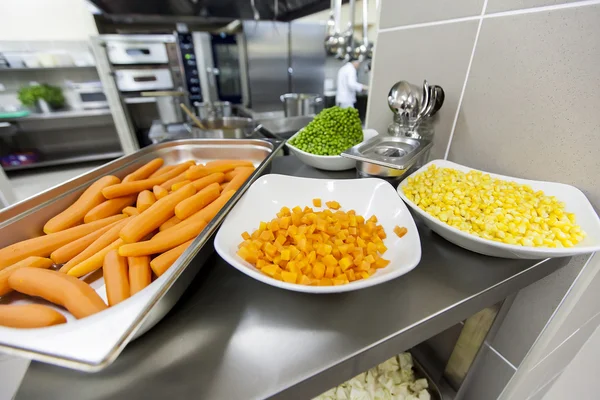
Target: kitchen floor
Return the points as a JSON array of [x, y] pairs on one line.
[[26, 184], [31, 182]]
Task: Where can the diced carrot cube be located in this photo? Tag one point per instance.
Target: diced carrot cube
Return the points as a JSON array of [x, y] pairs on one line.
[[381, 248], [324, 250], [289, 277], [261, 263], [270, 269], [364, 275], [334, 205], [350, 275], [329, 261], [345, 263], [292, 230], [325, 282], [370, 259], [337, 271], [270, 249], [274, 225], [381, 263], [312, 256], [339, 281], [267, 236], [329, 272], [360, 242], [246, 236], [318, 270], [305, 280], [336, 253], [400, 231], [316, 202], [284, 222], [286, 254]]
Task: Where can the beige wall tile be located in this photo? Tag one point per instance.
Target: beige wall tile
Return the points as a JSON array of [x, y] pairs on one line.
[[406, 12], [531, 104], [439, 54], [586, 307], [580, 379], [526, 383], [532, 308], [509, 5]]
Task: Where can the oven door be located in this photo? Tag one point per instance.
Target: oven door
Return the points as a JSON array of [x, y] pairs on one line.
[[125, 52], [135, 80]]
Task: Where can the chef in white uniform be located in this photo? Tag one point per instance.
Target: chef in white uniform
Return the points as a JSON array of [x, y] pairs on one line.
[[347, 85]]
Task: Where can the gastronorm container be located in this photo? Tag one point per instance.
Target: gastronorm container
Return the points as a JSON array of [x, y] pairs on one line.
[[92, 343]]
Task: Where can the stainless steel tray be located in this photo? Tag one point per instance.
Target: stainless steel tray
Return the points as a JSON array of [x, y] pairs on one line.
[[59, 344]]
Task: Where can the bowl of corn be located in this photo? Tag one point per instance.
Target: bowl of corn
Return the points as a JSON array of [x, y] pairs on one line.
[[502, 216]]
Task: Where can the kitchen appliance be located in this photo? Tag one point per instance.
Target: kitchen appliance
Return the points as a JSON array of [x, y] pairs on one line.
[[90, 95], [131, 64], [167, 104], [301, 104]]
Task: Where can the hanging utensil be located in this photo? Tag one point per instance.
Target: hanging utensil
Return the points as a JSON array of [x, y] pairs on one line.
[[192, 116], [425, 99], [402, 99], [439, 101]]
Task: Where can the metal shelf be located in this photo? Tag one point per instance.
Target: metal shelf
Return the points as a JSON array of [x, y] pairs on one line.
[[66, 160], [47, 68], [100, 112]]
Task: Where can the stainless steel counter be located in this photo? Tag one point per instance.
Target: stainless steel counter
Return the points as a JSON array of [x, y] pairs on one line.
[[231, 337]]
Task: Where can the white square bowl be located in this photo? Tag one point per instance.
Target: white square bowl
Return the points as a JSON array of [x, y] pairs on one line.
[[328, 163], [368, 197], [575, 202]]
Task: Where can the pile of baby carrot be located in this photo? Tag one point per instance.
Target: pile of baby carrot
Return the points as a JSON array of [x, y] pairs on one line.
[[132, 230]]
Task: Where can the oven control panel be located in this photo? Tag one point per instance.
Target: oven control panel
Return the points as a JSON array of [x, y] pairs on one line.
[[190, 66]]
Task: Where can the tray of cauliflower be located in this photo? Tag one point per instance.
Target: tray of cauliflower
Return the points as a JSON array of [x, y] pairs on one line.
[[399, 378]]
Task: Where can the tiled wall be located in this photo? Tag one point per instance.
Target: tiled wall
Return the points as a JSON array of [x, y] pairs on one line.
[[521, 79]]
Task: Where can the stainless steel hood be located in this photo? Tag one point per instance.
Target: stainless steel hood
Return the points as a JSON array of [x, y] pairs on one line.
[[210, 10]]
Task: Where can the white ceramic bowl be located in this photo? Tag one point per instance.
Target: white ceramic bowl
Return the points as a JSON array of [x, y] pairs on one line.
[[367, 196], [574, 199], [329, 163]]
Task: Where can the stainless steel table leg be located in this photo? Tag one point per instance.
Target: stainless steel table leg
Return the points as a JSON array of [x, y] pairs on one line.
[[478, 331], [7, 196]]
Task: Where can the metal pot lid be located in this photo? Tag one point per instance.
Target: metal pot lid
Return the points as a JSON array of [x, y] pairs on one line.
[[389, 151]]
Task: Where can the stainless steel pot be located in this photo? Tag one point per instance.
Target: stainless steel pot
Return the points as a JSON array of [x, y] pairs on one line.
[[301, 104], [215, 110], [167, 104], [226, 128]]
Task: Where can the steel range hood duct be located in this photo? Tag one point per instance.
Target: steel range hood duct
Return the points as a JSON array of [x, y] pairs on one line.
[[139, 10]]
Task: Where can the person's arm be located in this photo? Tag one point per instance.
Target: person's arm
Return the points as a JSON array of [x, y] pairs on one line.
[[354, 84]]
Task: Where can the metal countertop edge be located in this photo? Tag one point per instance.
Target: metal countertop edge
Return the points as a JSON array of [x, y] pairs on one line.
[[368, 357]]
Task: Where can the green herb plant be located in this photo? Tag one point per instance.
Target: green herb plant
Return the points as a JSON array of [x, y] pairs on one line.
[[53, 95]]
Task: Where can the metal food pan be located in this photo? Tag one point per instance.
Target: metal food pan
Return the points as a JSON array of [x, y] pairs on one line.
[[92, 343]]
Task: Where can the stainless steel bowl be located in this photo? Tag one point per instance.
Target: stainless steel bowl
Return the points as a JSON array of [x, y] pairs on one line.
[[225, 128]]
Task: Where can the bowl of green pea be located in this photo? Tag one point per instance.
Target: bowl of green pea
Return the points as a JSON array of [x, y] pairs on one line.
[[329, 134]]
